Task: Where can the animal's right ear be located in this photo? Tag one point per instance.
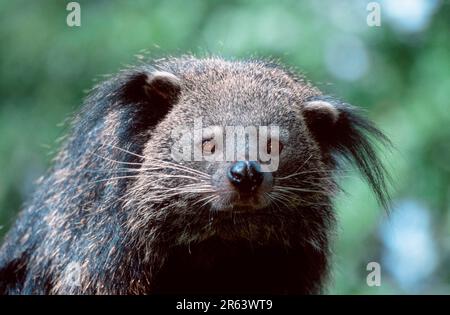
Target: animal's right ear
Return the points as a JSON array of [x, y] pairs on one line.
[[122, 111], [154, 93]]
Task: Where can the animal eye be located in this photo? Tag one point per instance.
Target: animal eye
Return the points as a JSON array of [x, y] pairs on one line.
[[208, 147], [272, 144]]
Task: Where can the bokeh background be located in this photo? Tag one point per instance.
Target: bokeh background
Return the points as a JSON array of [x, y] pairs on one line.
[[399, 72]]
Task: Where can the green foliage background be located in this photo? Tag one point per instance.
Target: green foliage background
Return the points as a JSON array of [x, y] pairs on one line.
[[47, 67]]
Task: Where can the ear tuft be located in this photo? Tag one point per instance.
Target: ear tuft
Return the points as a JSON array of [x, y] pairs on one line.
[[343, 132], [163, 84], [321, 110], [149, 95]]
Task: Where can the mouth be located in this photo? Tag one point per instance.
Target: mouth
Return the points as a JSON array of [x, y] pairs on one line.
[[242, 203]]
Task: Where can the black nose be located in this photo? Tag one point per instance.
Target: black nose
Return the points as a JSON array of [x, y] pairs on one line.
[[245, 175]]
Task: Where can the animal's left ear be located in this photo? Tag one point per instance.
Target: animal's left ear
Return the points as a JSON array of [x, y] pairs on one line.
[[344, 133]]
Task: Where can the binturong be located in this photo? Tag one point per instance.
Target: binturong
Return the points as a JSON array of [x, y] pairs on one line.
[[157, 190]]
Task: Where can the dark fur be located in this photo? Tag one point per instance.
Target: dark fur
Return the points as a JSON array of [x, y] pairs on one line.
[[127, 242]]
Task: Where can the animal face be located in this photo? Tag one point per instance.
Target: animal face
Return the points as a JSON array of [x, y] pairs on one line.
[[244, 149]]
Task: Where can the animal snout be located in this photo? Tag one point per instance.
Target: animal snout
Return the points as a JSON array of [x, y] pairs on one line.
[[246, 176]]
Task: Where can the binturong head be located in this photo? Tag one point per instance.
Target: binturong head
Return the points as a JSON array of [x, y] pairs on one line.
[[243, 150]]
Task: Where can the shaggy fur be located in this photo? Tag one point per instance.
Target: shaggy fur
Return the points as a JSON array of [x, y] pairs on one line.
[[136, 222]]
